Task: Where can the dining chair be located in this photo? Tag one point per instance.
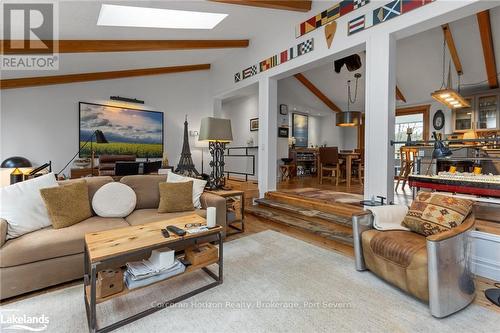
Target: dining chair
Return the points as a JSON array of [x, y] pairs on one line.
[[358, 165], [329, 161]]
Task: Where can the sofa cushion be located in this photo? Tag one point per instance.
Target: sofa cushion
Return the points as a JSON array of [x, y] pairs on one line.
[[198, 185], [142, 216], [432, 213], [22, 206], [176, 197], [67, 204], [50, 243], [145, 188], [397, 246], [94, 183], [391, 259]]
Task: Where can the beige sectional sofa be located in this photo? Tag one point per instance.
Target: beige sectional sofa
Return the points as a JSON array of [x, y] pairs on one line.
[[50, 256]]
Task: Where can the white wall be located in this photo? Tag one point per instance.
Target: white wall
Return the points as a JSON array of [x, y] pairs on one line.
[[240, 110], [41, 123]]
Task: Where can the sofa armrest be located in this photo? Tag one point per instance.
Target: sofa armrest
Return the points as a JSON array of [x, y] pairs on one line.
[[3, 231], [360, 223], [213, 200], [451, 282]]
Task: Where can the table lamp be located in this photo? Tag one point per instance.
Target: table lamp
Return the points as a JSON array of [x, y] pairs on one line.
[[99, 138], [440, 150], [217, 132], [16, 162]]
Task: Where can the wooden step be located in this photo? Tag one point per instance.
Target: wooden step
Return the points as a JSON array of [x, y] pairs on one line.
[[340, 209], [306, 212], [319, 229]]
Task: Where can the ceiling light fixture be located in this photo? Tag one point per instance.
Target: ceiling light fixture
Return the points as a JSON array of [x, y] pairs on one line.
[[128, 16], [349, 118], [446, 94]]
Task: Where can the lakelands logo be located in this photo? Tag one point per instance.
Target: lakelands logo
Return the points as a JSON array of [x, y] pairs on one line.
[[13, 320], [29, 36]]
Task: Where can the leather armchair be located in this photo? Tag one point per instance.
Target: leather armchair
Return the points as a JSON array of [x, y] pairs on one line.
[[434, 269]]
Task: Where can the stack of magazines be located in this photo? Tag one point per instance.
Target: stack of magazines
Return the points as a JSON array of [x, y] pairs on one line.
[[143, 273]]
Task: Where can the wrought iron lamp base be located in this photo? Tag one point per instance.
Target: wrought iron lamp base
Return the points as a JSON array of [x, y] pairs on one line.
[[217, 180]]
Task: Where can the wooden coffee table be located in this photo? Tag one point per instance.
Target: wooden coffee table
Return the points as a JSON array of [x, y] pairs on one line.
[[113, 248]]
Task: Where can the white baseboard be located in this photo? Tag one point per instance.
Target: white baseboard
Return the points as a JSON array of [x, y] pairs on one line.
[[486, 255]]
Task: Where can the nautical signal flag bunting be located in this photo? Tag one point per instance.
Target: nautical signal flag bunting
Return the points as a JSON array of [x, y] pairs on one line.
[[277, 59], [331, 14], [384, 13]]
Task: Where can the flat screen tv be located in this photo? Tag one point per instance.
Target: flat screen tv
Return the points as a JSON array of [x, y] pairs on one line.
[[128, 131]]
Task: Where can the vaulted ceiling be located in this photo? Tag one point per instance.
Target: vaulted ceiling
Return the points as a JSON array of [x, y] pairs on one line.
[[77, 21]]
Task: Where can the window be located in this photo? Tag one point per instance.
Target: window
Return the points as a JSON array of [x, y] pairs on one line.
[[416, 118]]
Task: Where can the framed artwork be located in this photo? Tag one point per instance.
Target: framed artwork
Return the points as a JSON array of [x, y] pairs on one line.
[[128, 131], [300, 129], [282, 132], [283, 109], [254, 124]]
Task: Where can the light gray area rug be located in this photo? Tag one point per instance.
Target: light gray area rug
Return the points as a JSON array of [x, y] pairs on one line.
[[272, 283]]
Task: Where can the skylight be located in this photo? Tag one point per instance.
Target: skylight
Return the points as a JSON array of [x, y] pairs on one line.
[[128, 16]]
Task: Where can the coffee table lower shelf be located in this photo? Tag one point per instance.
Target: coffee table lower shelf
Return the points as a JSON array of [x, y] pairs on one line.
[[91, 300], [125, 290]]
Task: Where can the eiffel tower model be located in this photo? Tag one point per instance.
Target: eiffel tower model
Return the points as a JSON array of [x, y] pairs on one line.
[[186, 166]]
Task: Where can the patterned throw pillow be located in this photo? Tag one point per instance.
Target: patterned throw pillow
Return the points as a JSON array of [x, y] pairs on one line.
[[432, 213]]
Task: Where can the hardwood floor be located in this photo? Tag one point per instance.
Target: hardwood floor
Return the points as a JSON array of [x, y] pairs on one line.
[[255, 225]]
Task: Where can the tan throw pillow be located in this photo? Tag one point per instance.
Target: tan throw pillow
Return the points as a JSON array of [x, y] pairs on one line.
[[67, 204], [431, 214], [176, 197]]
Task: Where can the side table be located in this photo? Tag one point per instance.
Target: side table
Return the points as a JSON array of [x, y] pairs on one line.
[[232, 197]]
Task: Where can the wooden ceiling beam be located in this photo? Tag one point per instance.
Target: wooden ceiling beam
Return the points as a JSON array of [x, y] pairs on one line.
[[84, 77], [483, 19], [399, 95], [451, 47], [83, 46], [296, 6], [312, 88]]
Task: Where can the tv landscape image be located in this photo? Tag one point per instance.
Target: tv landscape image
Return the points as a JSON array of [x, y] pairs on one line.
[[128, 131]]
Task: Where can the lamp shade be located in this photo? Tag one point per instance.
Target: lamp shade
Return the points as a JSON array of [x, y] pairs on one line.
[[348, 118], [440, 150], [215, 129], [16, 162]]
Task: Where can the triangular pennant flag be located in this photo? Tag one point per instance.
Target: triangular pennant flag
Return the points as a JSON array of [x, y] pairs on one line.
[[330, 30]]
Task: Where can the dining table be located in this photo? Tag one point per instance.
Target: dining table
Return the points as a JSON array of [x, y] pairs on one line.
[[348, 157]]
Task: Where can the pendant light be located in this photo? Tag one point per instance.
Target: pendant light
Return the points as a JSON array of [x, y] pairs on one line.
[[350, 118], [446, 94]]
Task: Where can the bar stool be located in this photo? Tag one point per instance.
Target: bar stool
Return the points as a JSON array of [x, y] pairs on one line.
[[408, 162]]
